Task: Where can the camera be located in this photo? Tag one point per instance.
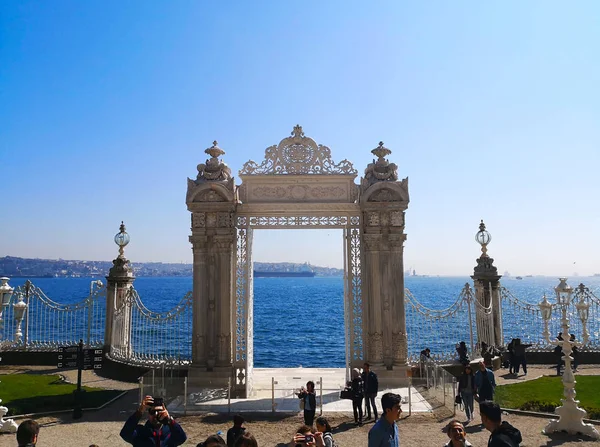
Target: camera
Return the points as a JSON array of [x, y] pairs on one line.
[[309, 438]]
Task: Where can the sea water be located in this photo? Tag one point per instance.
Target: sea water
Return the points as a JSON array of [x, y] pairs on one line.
[[300, 321]]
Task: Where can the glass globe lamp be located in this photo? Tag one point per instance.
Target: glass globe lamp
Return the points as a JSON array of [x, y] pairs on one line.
[[121, 238], [483, 238]]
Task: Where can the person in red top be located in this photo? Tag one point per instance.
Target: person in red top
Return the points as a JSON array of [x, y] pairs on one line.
[[160, 430]]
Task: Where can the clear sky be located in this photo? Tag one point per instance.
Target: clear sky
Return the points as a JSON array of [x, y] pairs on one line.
[[492, 109]]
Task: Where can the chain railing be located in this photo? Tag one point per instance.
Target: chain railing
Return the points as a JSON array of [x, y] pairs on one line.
[[524, 320], [144, 337], [442, 329], [32, 321]]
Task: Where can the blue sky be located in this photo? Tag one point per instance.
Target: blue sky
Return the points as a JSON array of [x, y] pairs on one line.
[[491, 110]]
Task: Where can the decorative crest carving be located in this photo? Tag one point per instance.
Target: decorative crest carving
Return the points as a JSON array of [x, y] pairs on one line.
[[381, 170], [298, 154], [214, 169]]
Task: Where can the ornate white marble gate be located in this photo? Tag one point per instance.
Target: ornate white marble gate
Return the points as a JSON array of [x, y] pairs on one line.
[[296, 186]]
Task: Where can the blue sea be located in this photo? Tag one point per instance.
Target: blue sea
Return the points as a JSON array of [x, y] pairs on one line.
[[300, 321]]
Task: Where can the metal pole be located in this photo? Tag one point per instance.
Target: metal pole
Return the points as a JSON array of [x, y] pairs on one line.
[[89, 322], [273, 394], [185, 387], [499, 298], [444, 386], [471, 323], [229, 395], [454, 394], [141, 380], [427, 375], [321, 395], [163, 381], [409, 396], [153, 381], [27, 290]]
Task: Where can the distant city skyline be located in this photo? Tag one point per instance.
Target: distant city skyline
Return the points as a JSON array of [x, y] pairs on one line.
[[490, 109]]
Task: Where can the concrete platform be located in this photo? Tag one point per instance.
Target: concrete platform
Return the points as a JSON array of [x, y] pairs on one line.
[[274, 390]]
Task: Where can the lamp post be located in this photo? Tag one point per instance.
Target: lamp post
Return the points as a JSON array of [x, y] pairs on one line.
[[570, 415], [6, 292]]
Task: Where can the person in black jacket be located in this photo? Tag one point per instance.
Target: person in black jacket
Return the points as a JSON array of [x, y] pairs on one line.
[[358, 393], [502, 433], [234, 432], [307, 395], [520, 356], [371, 384], [467, 390], [160, 430]]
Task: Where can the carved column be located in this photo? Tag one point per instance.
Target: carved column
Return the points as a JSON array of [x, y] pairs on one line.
[[118, 282], [383, 201], [211, 199], [487, 290]]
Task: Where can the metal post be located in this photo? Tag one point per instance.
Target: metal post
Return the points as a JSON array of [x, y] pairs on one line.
[[499, 298], [444, 386], [141, 380], [471, 323], [163, 390], [153, 381], [27, 290], [321, 395], [185, 388], [89, 319], [427, 375], [229, 395], [409, 396], [273, 394], [454, 394]]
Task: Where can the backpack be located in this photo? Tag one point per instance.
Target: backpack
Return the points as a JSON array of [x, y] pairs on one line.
[[330, 436]]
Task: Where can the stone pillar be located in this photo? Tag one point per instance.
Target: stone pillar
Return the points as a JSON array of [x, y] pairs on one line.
[[118, 282], [383, 201], [211, 200], [487, 290]]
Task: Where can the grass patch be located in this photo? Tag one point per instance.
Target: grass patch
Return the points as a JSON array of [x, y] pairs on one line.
[[35, 393], [545, 393]]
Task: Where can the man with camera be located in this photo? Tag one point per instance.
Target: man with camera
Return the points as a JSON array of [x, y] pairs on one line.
[[159, 430]]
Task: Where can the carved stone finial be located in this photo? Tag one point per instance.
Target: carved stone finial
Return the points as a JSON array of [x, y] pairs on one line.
[[298, 132], [213, 169], [381, 170]]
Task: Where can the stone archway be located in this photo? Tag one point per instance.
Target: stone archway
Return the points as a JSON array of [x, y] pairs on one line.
[[297, 185]]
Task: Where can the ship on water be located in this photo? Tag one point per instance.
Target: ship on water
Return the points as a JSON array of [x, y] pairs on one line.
[[305, 271]]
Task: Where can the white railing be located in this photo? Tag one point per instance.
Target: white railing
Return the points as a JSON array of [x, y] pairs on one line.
[[524, 320], [144, 337], [442, 329], [44, 324]]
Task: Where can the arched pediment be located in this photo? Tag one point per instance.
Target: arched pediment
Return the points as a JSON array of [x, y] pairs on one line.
[[209, 192], [386, 192]]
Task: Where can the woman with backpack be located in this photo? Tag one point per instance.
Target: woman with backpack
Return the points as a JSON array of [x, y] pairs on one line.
[[323, 435]]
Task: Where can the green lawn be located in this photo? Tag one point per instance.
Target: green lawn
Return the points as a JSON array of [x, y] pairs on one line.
[[35, 393], [544, 394]]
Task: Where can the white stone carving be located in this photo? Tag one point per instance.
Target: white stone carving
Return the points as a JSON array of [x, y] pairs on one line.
[[382, 169], [6, 425], [213, 169], [298, 154]]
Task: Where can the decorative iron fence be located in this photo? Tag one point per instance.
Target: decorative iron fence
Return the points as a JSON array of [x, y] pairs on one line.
[[442, 329], [144, 337], [32, 321], [525, 321]]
